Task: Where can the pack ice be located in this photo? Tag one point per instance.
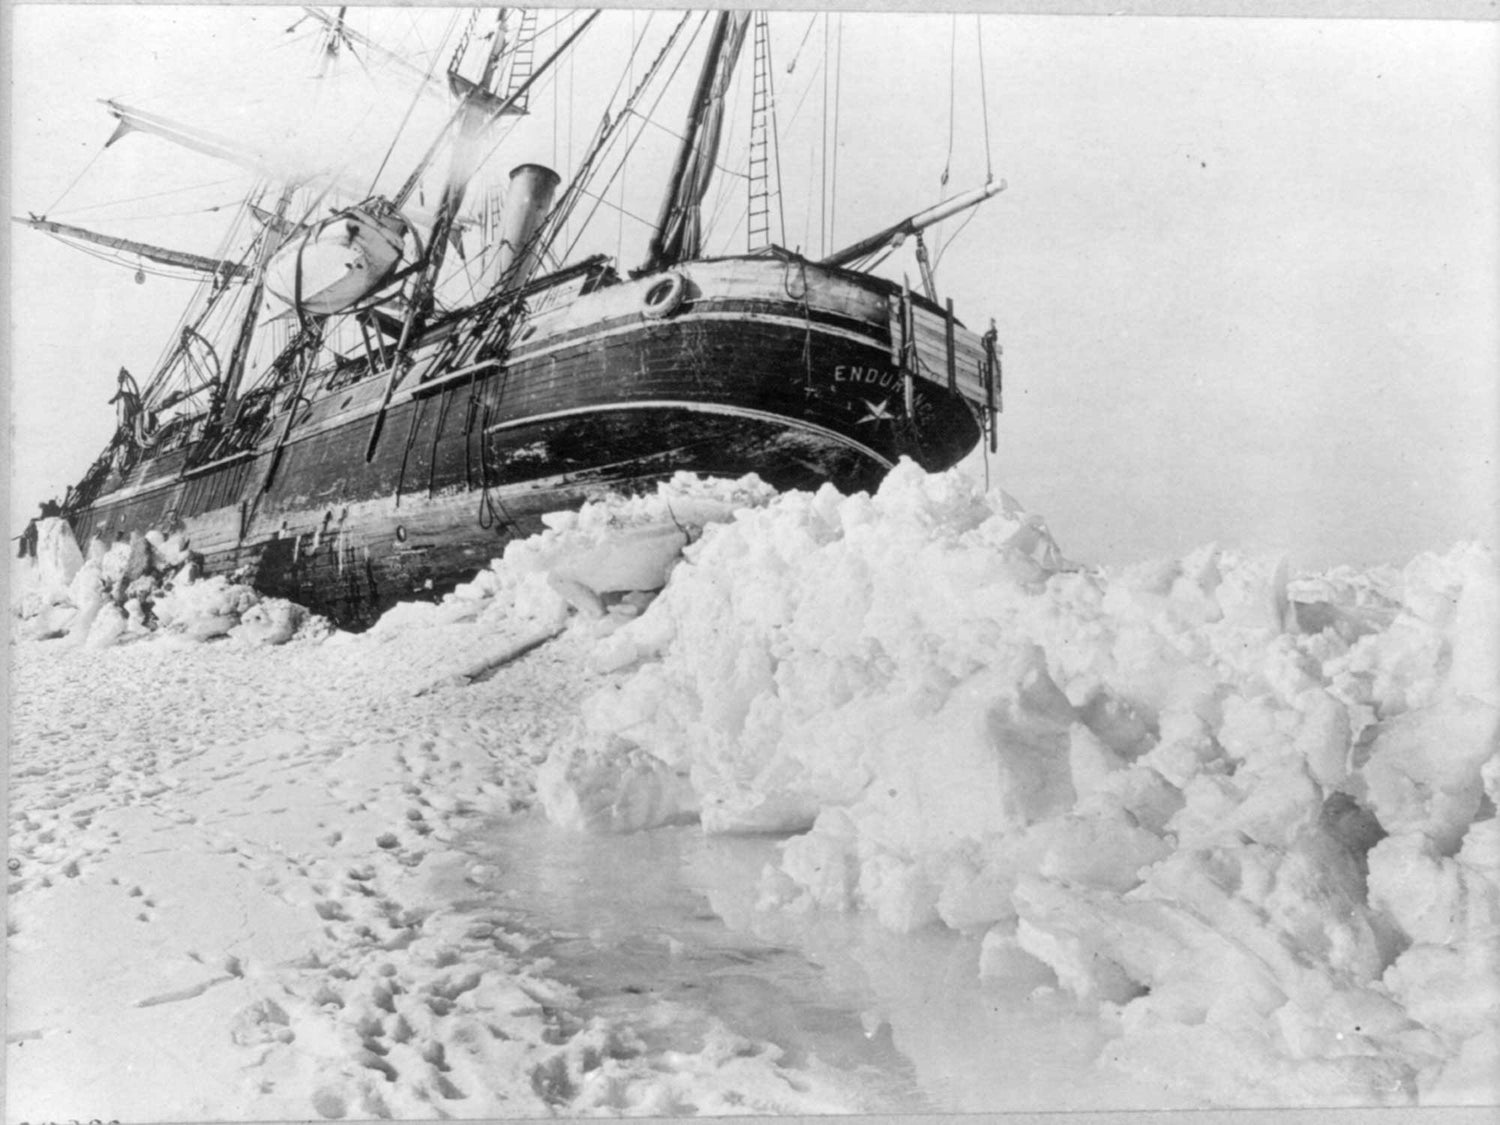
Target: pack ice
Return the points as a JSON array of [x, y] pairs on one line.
[[1244, 820], [1248, 819], [148, 584]]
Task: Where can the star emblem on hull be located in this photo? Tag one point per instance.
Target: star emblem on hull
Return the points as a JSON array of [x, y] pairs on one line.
[[877, 412]]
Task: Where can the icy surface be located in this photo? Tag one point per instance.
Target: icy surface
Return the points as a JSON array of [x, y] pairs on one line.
[[1244, 816], [1194, 832]]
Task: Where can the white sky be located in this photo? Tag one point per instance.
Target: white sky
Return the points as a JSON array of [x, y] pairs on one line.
[[1245, 272]]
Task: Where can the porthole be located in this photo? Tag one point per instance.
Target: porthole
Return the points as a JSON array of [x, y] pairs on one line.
[[400, 534]]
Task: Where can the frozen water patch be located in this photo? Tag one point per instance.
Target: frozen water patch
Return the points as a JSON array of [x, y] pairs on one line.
[[658, 932], [622, 922]]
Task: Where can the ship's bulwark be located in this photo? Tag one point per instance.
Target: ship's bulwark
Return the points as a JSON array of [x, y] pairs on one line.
[[594, 395]]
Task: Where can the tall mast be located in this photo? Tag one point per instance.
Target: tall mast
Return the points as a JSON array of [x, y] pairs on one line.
[[679, 232], [347, 34], [472, 115], [270, 241]]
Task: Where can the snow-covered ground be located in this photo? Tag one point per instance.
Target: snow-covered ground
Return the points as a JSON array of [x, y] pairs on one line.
[[879, 805]]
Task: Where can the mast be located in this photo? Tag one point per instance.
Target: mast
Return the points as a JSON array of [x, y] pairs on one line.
[[270, 241], [337, 26], [678, 228], [470, 118], [219, 267], [332, 41]]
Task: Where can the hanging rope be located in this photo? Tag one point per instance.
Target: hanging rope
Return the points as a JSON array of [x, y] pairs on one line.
[[984, 102], [947, 242], [952, 98]]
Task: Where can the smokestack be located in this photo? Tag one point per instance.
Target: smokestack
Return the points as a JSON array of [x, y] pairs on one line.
[[527, 203]]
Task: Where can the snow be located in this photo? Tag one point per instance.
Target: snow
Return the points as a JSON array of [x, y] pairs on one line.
[[1190, 832]]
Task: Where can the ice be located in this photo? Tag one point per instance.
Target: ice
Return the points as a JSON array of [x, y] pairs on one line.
[[1209, 795], [1422, 773], [145, 587], [1237, 822], [614, 788]]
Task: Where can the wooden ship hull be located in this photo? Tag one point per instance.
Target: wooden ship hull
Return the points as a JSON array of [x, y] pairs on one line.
[[374, 480]]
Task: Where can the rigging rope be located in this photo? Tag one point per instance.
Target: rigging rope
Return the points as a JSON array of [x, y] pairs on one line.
[[125, 258], [573, 101], [791, 66], [984, 100], [937, 258], [775, 140], [410, 109], [76, 178], [838, 92], [536, 84], [601, 200], [624, 170], [609, 131], [725, 191], [555, 115], [823, 185], [137, 198], [627, 111], [952, 98], [169, 214]]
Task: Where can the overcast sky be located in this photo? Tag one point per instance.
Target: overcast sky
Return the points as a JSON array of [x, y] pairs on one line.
[[1244, 272]]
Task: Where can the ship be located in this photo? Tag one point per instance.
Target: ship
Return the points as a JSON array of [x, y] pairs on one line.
[[390, 441]]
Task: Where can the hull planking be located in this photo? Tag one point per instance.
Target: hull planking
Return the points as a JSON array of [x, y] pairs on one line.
[[376, 489]]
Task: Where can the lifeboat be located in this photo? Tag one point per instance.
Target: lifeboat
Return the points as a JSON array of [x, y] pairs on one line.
[[338, 262]]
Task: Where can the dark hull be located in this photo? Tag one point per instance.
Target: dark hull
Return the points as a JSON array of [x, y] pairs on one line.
[[595, 397]]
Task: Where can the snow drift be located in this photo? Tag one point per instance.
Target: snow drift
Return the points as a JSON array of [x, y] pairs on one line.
[[1249, 818]]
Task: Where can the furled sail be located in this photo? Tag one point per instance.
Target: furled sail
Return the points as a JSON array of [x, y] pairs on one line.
[[679, 233], [199, 140]]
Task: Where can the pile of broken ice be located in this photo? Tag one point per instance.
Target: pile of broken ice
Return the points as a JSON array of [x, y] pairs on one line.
[[148, 585], [1251, 819]]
